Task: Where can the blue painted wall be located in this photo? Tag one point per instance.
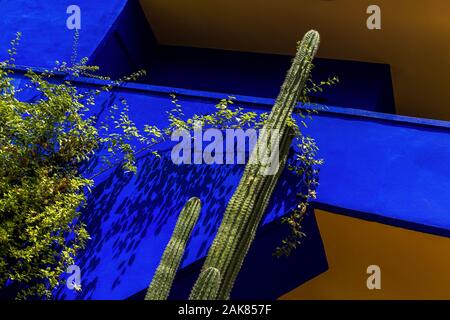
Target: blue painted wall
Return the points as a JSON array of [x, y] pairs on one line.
[[45, 35], [387, 168], [362, 85], [129, 45], [131, 217]]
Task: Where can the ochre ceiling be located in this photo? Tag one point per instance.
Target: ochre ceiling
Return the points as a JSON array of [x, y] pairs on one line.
[[414, 38]]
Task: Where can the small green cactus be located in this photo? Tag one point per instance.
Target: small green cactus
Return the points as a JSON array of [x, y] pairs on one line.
[[209, 284], [159, 288]]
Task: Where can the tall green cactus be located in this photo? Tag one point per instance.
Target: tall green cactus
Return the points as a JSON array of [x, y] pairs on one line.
[[209, 284], [159, 288], [248, 203]]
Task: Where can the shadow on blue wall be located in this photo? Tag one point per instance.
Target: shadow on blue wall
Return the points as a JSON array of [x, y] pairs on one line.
[[130, 219], [125, 214]]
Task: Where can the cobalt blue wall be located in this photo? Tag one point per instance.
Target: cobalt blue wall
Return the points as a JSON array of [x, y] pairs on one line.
[[362, 85], [131, 217], [369, 161], [386, 168], [370, 158], [128, 46], [45, 36], [374, 154]]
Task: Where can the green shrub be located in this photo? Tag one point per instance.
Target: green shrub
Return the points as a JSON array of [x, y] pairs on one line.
[[41, 189], [42, 145]]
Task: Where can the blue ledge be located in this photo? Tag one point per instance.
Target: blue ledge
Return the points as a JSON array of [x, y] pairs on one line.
[[411, 154]]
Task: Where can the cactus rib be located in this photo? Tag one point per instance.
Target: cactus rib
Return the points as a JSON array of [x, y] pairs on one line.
[[161, 284], [209, 283]]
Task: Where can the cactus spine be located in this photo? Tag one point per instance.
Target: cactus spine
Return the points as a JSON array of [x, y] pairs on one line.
[[159, 288], [209, 283], [248, 203]]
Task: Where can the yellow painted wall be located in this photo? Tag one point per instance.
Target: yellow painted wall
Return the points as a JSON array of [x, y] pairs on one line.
[[414, 265], [414, 40]]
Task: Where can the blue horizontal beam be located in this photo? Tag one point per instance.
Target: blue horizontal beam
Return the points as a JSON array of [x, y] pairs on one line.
[[363, 137]]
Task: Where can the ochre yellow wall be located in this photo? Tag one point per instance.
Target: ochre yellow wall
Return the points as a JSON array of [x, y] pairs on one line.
[[414, 40], [414, 265]]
